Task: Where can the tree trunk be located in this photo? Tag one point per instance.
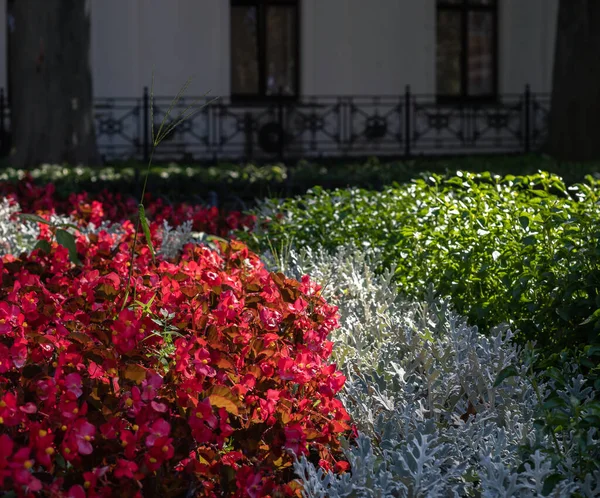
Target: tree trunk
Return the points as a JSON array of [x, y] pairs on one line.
[[574, 121], [51, 83]]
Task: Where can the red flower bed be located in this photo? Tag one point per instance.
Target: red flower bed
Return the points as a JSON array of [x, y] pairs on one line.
[[116, 208], [203, 385]]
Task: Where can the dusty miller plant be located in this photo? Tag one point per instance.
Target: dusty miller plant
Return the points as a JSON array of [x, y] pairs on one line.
[[19, 233], [173, 239], [16, 236], [441, 409]]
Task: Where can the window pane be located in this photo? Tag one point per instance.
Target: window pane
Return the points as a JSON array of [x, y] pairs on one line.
[[481, 53], [281, 64], [448, 52], [244, 50]]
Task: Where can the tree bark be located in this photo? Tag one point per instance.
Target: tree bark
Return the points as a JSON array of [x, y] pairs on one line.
[[574, 121], [51, 102]]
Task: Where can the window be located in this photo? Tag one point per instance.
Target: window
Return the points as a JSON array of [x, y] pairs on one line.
[[467, 64], [264, 48]]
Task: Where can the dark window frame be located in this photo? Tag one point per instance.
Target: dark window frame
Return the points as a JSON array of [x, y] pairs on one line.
[[464, 8], [261, 9]]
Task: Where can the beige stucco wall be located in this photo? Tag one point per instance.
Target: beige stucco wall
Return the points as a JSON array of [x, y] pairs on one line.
[[177, 39], [527, 33], [375, 47], [347, 46]]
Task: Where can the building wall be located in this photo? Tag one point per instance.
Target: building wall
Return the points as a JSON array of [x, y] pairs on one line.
[[115, 45], [347, 46], [378, 47], [527, 34], [355, 47], [178, 40]]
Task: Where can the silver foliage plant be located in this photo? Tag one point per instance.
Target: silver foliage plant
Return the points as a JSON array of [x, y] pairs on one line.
[[173, 239], [18, 236], [420, 387]]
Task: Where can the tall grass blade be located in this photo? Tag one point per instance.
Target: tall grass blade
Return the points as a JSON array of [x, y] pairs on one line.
[[146, 228], [163, 130]]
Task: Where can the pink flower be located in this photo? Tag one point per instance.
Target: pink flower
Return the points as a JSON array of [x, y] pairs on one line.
[[270, 318], [129, 442], [76, 491], [202, 363], [150, 386], [134, 402], [229, 307], [203, 422], [295, 439], [5, 361], [18, 352], [21, 465], [250, 482], [125, 468], [160, 428], [73, 384], [6, 449], [9, 315], [84, 433]]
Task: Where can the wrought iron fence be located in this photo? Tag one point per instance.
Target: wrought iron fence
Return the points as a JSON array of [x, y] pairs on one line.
[[317, 127]]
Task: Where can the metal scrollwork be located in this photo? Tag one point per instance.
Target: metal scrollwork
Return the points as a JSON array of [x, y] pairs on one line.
[[375, 128], [270, 137], [314, 127]]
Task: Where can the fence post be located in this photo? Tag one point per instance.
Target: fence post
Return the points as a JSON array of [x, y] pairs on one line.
[[248, 136], [407, 111], [2, 131], [146, 128], [281, 140], [145, 136], [527, 103]]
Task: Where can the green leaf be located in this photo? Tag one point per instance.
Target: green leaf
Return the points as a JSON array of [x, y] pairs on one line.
[[60, 461], [509, 371], [43, 245], [524, 220], [216, 238], [146, 228], [593, 420], [68, 225], [553, 403], [550, 483], [34, 217], [592, 318], [67, 240], [592, 350]]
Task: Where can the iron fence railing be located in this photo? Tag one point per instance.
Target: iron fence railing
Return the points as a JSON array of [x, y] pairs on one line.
[[317, 127]]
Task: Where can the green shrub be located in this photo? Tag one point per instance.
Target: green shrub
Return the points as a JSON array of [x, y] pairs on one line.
[[244, 183], [520, 250]]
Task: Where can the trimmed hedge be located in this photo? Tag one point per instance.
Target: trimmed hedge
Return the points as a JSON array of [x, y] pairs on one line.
[[237, 185]]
